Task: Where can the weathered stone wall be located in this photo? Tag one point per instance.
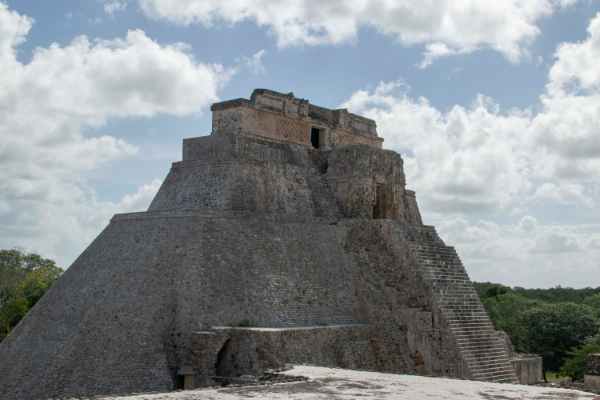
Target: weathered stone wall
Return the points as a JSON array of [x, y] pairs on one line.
[[397, 300], [120, 319], [262, 124], [230, 172], [529, 368], [284, 118], [254, 351], [238, 173], [370, 183], [592, 372]]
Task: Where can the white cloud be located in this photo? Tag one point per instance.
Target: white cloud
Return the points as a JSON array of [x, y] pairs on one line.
[[111, 7], [563, 193], [527, 253], [528, 224], [555, 243], [445, 26], [46, 203], [13, 30], [254, 63], [140, 200], [594, 244], [574, 70], [436, 50]]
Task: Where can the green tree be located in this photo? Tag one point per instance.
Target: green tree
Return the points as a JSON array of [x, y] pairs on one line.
[[558, 294], [24, 278], [552, 330], [505, 309], [594, 302], [574, 365], [488, 289]]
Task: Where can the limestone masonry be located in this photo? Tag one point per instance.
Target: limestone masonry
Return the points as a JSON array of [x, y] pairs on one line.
[[287, 236]]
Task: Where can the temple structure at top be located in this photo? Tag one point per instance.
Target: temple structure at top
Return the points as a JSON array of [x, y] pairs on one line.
[[284, 118]]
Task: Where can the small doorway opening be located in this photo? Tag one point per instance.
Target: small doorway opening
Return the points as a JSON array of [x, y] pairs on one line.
[[223, 365], [315, 134], [179, 382]]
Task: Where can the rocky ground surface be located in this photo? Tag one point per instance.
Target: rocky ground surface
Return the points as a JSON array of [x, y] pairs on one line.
[[340, 384]]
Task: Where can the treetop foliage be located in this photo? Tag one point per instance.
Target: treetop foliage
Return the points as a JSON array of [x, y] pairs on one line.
[[559, 323], [24, 278]]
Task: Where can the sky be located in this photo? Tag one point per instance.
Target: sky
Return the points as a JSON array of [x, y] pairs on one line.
[[493, 105]]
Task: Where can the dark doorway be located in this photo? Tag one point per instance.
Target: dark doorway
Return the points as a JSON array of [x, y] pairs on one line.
[[223, 366], [315, 134], [179, 382]]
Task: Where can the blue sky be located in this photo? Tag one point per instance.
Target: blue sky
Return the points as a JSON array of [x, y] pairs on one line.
[[500, 130]]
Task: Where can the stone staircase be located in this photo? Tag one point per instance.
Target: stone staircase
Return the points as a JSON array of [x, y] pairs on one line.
[[484, 353]]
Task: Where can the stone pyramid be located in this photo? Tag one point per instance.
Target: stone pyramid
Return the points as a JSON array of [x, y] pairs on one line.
[[285, 236]]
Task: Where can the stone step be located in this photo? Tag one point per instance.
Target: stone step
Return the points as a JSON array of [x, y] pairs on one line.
[[493, 370], [462, 309], [442, 263], [449, 298], [475, 353], [468, 331], [452, 293], [455, 300], [498, 374], [472, 337], [483, 366], [473, 333], [437, 256], [461, 288], [444, 276], [472, 360], [476, 339], [470, 300], [437, 268], [466, 315], [456, 290], [464, 312], [450, 262], [439, 280], [442, 282], [472, 323], [456, 320], [434, 245], [480, 313], [453, 288], [460, 279], [466, 327], [495, 356], [477, 348], [505, 378], [465, 302]]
